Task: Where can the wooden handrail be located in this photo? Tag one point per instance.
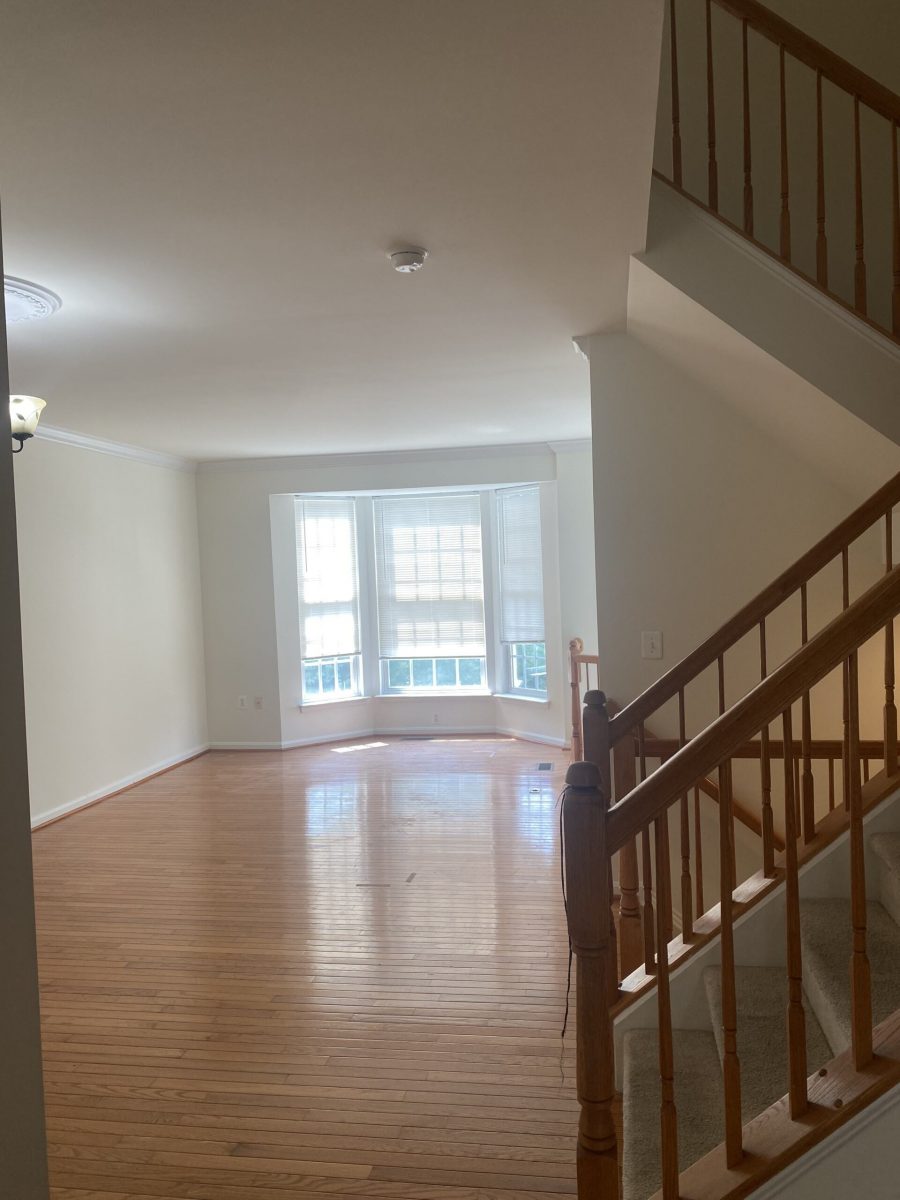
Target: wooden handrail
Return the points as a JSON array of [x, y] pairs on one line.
[[668, 685], [816, 56], [812, 662], [655, 746]]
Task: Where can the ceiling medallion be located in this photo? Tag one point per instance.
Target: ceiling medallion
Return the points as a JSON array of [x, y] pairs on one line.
[[27, 301]]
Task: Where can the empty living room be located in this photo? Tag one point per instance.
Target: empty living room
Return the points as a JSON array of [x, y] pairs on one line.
[[449, 543]]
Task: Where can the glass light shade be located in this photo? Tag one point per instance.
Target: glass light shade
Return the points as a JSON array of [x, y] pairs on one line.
[[24, 414]]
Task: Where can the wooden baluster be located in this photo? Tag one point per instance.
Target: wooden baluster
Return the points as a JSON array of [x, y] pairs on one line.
[[663, 894], [647, 873], [668, 1118], [731, 1067], [860, 971], [895, 226], [676, 110], [785, 221], [698, 855], [732, 861], [860, 288], [588, 901], [798, 811], [890, 708], [713, 169], [576, 647], [821, 239], [845, 754], [807, 783], [595, 727], [865, 770], [687, 901], [765, 769], [748, 175], [796, 1018], [647, 879], [831, 785], [630, 937]]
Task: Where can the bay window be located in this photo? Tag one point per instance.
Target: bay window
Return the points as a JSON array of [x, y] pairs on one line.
[[421, 593]]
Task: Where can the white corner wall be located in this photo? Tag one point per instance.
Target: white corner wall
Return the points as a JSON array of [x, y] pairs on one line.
[[111, 616], [696, 511], [251, 621]]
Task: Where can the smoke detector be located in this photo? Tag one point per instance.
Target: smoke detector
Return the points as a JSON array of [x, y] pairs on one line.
[[407, 261]]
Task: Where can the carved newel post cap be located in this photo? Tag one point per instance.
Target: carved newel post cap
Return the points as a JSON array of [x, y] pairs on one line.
[[595, 699], [583, 775]]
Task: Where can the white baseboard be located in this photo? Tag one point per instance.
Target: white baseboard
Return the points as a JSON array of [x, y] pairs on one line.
[[541, 738], [128, 781], [246, 746], [781, 1185], [119, 785], [324, 739], [436, 731]]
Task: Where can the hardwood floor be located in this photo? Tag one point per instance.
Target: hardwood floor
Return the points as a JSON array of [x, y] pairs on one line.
[[269, 975]]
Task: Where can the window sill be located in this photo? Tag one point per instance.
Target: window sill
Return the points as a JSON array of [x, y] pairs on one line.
[[545, 700], [436, 694], [327, 703]]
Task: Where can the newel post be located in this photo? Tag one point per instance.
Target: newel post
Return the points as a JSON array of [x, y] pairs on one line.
[[588, 906]]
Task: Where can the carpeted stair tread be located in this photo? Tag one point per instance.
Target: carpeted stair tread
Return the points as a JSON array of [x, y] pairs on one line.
[[886, 847], [762, 1033], [698, 1099], [826, 935]]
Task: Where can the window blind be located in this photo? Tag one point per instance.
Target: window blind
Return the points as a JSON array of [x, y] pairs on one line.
[[521, 566], [429, 572], [327, 575]]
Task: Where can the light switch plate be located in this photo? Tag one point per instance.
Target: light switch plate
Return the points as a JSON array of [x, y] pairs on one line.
[[651, 644]]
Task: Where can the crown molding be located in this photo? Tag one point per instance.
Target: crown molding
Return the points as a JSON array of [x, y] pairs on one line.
[[573, 446], [391, 457], [173, 462], [85, 441]]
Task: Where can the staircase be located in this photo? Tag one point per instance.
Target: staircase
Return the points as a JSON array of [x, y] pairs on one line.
[[772, 1051], [762, 1044]]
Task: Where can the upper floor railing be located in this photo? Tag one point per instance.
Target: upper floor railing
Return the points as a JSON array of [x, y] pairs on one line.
[[780, 115]]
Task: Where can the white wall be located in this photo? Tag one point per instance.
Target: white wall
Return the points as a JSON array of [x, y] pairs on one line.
[[112, 635], [696, 511], [251, 623]]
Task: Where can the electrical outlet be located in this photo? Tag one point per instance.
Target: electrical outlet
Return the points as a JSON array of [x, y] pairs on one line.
[[651, 644], [257, 701], [243, 702], [435, 719]]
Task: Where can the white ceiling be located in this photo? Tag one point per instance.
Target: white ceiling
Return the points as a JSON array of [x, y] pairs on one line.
[[212, 185]]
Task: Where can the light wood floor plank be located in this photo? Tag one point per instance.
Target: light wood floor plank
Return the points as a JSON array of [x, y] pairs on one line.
[[275, 975]]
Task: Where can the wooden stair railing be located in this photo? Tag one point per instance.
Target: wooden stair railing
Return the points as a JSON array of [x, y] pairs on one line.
[[594, 831], [826, 72]]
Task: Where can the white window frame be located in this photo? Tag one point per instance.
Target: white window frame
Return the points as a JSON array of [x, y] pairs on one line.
[[356, 659], [438, 689], [506, 650]]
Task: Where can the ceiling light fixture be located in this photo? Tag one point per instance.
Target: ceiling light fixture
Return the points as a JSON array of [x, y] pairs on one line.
[[24, 414], [27, 301], [407, 261]]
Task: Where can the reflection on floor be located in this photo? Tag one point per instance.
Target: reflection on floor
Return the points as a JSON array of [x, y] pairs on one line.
[[267, 975]]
